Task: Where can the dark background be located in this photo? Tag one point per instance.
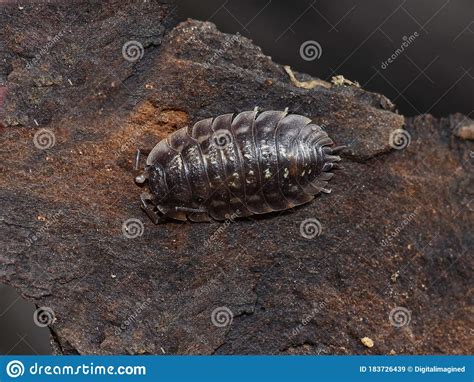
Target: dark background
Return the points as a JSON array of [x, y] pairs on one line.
[[433, 75]]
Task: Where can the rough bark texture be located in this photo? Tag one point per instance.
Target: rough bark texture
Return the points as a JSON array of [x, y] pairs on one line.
[[397, 228]]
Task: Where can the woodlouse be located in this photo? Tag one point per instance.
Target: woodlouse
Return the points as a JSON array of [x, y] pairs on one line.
[[253, 163]]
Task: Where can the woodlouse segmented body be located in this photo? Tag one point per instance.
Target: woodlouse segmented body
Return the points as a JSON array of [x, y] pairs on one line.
[[250, 163]]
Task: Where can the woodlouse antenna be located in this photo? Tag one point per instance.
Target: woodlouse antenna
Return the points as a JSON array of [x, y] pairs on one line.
[[140, 179], [137, 159]]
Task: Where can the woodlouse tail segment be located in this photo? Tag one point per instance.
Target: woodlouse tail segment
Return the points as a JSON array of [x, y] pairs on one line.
[[337, 149], [330, 163], [331, 159]]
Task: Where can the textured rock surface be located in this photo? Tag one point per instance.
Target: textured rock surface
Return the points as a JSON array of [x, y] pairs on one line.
[[397, 229]]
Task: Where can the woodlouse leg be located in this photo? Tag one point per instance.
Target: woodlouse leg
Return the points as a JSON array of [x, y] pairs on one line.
[[187, 209], [193, 214], [155, 216], [146, 199]]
